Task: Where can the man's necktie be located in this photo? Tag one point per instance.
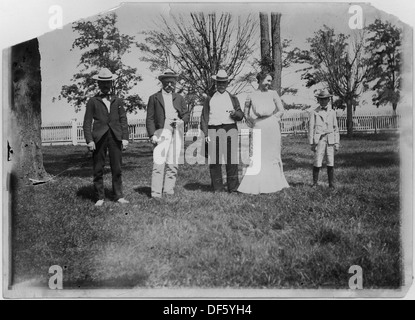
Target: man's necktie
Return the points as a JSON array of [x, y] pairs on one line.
[[106, 96]]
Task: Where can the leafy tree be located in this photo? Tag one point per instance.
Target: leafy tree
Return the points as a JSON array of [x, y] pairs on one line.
[[384, 76], [338, 62], [198, 45], [104, 47]]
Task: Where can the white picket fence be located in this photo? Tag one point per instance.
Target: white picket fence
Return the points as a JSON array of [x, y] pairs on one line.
[[71, 132]]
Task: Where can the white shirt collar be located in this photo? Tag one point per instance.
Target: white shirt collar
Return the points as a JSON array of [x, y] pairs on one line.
[[221, 94]]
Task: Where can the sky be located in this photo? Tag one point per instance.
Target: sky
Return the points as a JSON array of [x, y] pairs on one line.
[[299, 22]]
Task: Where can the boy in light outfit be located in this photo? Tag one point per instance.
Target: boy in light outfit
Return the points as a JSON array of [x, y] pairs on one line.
[[323, 136]]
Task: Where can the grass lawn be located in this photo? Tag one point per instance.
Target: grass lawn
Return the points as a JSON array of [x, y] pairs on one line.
[[301, 237]]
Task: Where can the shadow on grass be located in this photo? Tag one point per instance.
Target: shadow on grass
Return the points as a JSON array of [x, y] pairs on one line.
[[144, 191], [361, 160], [81, 169], [369, 159], [300, 184], [291, 163], [127, 281], [87, 192], [384, 136], [198, 186], [137, 153], [74, 161], [68, 162]]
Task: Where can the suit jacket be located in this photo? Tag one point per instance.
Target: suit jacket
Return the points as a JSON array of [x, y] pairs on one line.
[[98, 120], [156, 112], [317, 126], [204, 119]]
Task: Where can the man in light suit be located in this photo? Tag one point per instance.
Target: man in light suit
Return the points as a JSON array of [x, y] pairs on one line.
[[167, 114], [323, 136], [106, 128]]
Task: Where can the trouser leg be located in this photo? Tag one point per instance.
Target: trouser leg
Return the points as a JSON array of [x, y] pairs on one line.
[[330, 174], [330, 164], [318, 158], [215, 163], [115, 155], [225, 146], [320, 152], [316, 171], [216, 177], [157, 177], [231, 167], [98, 157], [232, 144], [170, 179], [172, 161], [232, 177], [159, 156]]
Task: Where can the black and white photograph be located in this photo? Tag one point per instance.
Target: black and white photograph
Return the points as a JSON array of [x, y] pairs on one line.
[[207, 150]]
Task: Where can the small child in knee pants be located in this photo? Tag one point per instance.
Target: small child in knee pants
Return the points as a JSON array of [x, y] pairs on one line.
[[323, 136]]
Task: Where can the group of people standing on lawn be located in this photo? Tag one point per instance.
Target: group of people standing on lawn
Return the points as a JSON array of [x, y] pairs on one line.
[[106, 130]]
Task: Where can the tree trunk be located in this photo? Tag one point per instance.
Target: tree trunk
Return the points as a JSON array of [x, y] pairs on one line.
[[266, 63], [349, 120], [394, 106], [276, 50], [26, 111]]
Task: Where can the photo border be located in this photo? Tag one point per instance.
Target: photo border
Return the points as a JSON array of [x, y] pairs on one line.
[[406, 148]]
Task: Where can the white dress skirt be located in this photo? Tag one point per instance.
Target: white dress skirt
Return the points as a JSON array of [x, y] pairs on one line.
[[270, 177]]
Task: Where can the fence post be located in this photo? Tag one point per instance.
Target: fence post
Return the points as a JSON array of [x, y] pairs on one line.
[[375, 124], [132, 131], [74, 132]]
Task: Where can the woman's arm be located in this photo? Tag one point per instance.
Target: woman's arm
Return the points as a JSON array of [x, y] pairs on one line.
[[279, 106], [247, 109]]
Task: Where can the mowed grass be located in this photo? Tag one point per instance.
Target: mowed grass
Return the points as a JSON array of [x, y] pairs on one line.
[[300, 237]]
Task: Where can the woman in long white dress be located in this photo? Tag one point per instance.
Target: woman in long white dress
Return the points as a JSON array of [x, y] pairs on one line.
[[263, 111]]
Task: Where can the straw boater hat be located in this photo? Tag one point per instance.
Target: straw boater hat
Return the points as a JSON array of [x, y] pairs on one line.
[[104, 75], [168, 74], [221, 76], [323, 93]]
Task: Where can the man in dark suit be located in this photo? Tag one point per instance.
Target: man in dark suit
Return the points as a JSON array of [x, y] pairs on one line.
[[167, 114], [106, 128], [218, 124]]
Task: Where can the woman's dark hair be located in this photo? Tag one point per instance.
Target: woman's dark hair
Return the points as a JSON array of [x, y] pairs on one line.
[[262, 75]]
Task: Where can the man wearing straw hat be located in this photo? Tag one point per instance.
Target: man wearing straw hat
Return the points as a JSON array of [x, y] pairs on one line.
[[167, 114], [323, 136], [218, 123], [106, 128]]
